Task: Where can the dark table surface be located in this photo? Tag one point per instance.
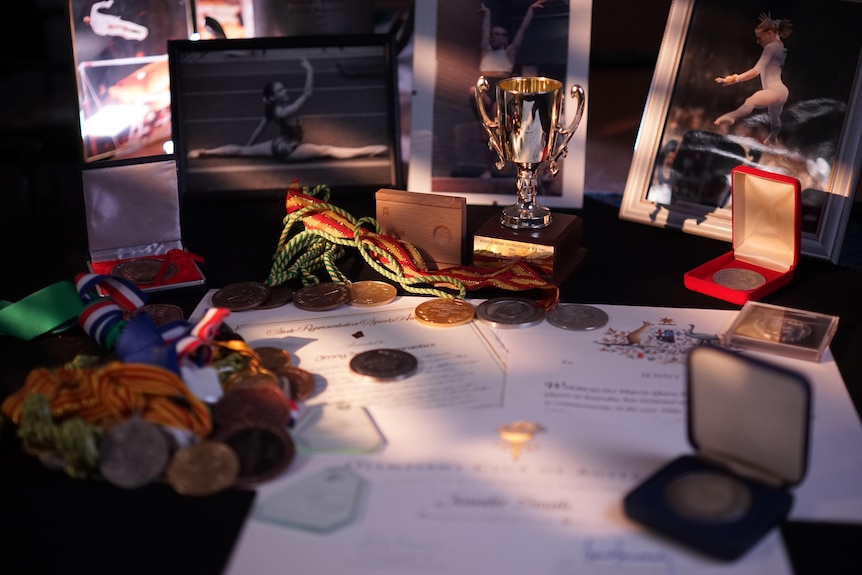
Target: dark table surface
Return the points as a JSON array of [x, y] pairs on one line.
[[52, 523]]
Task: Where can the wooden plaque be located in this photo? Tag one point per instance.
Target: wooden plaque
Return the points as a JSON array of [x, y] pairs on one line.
[[436, 224]]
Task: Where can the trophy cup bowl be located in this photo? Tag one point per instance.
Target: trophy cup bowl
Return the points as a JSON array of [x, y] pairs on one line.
[[526, 132]]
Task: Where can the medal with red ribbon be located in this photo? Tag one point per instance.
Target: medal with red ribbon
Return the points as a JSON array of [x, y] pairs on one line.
[[327, 230]]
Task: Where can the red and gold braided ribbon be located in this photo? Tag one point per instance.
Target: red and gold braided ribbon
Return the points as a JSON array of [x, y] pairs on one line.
[[404, 258], [112, 393]]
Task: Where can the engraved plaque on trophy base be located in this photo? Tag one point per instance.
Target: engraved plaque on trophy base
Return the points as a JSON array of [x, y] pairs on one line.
[[554, 250]]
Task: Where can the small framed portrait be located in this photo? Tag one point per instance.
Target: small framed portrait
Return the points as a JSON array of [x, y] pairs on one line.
[[121, 68], [251, 116], [459, 42], [770, 86]]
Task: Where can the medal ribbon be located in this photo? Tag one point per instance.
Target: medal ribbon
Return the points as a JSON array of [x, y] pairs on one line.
[[327, 229], [112, 393], [138, 340], [102, 317], [52, 308]]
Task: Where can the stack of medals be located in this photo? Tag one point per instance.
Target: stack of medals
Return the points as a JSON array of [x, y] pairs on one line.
[[220, 423]]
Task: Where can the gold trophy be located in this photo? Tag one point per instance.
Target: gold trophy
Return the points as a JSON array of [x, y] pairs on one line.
[[526, 132]]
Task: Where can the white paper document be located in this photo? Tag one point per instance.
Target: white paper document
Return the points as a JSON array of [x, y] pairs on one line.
[[607, 375], [509, 450], [459, 367], [484, 491]]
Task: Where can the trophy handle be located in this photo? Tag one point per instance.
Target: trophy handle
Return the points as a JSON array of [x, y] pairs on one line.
[[578, 94], [487, 123]]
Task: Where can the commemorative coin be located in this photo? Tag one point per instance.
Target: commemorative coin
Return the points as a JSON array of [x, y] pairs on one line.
[[782, 329], [510, 312], [738, 279], [577, 317], [142, 271], [371, 293], [445, 312], [241, 296], [278, 296], [203, 468], [323, 296], [384, 364], [708, 496]]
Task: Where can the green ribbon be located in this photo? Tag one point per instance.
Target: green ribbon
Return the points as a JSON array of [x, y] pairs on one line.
[[53, 308]]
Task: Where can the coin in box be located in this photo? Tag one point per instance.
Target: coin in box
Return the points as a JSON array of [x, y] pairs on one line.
[[766, 224], [748, 422], [781, 330]]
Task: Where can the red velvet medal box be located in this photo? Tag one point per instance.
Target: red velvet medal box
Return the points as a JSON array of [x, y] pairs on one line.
[[767, 221], [133, 224]]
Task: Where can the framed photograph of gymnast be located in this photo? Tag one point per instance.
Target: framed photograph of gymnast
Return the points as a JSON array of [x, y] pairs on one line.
[[459, 42], [252, 115], [741, 83], [121, 68]]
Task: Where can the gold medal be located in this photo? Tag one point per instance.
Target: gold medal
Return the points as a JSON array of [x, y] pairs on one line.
[[445, 312], [371, 293]]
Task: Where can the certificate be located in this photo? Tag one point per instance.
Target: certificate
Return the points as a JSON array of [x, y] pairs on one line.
[[633, 367], [608, 375], [458, 367], [459, 491], [530, 478]]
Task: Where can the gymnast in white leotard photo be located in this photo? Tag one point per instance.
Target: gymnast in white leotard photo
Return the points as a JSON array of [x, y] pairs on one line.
[[773, 93]]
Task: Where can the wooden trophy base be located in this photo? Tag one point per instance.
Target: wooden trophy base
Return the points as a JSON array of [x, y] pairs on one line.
[[555, 250]]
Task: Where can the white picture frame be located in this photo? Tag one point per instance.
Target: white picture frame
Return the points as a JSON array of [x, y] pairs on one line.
[[446, 67], [121, 69], [709, 39]]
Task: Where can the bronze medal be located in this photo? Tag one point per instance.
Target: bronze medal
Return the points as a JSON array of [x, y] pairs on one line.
[[299, 382], [203, 468], [162, 313], [246, 378], [267, 404], [241, 296], [278, 296], [142, 271], [384, 364], [264, 451], [321, 297], [272, 358]]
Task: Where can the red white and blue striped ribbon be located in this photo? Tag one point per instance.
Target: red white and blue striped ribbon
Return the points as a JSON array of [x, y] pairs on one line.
[[102, 317]]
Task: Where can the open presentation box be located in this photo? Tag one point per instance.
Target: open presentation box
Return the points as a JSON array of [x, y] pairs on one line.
[[766, 214], [133, 224], [748, 422]]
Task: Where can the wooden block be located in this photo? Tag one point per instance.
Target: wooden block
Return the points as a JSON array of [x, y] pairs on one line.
[[436, 224]]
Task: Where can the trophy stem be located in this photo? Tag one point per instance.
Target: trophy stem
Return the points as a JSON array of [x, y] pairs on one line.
[[526, 214]]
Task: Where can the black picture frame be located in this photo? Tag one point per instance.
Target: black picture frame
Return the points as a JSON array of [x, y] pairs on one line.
[[217, 99], [680, 147]]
